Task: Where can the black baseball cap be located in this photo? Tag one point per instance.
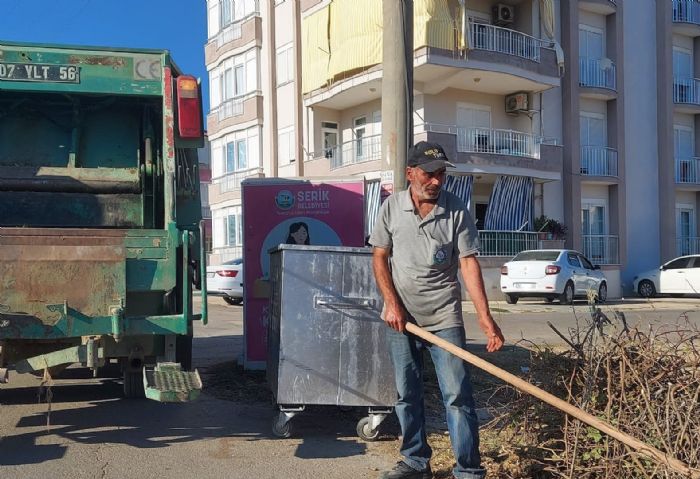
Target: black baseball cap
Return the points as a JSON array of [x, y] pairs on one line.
[[427, 156]]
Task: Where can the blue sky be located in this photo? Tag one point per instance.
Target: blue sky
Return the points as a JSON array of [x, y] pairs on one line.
[[176, 25]]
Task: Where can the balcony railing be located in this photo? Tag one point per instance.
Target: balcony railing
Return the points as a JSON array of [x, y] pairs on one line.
[[686, 90], [358, 150], [230, 108], [598, 161], [601, 249], [232, 181], [687, 245], [506, 243], [504, 142], [597, 73], [504, 40], [233, 30], [687, 170], [686, 11], [206, 212]]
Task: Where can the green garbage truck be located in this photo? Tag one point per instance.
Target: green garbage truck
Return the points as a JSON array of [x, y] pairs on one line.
[[101, 240]]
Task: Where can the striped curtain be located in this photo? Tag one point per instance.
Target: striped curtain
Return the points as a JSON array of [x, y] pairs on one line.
[[372, 204], [510, 205], [460, 185]]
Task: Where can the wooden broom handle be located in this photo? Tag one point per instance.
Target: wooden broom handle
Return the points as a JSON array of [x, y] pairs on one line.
[[560, 404]]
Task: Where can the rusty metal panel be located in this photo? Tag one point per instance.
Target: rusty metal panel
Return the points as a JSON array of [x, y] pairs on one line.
[[39, 280]]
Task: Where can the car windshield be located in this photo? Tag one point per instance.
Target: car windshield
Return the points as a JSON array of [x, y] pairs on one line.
[[537, 256], [234, 262]]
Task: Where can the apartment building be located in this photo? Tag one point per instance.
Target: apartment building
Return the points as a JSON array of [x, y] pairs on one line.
[[580, 110]]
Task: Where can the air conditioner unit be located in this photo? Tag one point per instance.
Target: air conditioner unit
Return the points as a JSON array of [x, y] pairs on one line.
[[503, 14], [517, 102]]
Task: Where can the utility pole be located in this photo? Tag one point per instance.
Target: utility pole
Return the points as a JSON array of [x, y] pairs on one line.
[[397, 92]]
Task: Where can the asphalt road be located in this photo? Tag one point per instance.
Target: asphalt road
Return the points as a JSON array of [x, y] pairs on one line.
[[94, 433]]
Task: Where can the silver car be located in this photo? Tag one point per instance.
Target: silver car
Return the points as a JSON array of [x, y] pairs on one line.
[[226, 280], [552, 274]]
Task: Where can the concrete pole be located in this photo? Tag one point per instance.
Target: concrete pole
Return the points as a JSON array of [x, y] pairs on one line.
[[397, 88]]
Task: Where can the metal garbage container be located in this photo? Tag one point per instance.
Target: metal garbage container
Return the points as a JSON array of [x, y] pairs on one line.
[[326, 340]]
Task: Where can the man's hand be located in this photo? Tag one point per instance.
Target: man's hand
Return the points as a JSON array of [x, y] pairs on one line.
[[492, 332], [395, 317]]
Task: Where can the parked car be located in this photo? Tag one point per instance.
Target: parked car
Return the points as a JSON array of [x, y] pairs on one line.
[[679, 276], [552, 274], [226, 280]]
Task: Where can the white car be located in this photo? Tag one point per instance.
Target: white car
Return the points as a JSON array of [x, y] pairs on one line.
[[678, 276], [226, 280], [552, 274]]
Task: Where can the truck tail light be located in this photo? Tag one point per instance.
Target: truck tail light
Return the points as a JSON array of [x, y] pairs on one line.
[[189, 115], [227, 273], [552, 269], [504, 270]]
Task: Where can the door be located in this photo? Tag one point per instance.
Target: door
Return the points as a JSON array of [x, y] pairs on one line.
[[590, 49], [474, 128], [683, 84], [593, 228], [693, 275], [685, 227], [330, 140], [672, 278], [359, 133], [577, 273], [594, 138], [683, 152], [593, 276]]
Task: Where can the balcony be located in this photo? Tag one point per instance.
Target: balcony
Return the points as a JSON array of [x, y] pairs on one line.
[[688, 171], [599, 161], [686, 17], [359, 150], [235, 35], [601, 7], [601, 249], [687, 245], [234, 111], [686, 95], [598, 77], [206, 212], [506, 243], [496, 151], [231, 182], [503, 40]]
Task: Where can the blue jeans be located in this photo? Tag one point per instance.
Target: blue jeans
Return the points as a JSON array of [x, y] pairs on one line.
[[455, 386]]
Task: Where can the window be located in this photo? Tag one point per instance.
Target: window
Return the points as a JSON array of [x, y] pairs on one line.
[[591, 42], [231, 230], [227, 85], [572, 259], [359, 131], [286, 152], [239, 77], [226, 16], [679, 263], [473, 128], [236, 156], [586, 264], [330, 139], [285, 64], [682, 63]]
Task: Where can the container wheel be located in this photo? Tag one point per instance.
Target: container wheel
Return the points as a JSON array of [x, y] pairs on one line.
[[365, 431], [233, 301], [281, 428], [133, 384]]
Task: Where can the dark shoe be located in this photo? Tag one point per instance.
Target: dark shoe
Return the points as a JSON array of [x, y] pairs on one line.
[[403, 471]]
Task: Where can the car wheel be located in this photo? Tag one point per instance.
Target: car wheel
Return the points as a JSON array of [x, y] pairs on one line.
[[646, 289], [511, 299], [567, 296], [602, 293], [233, 301]]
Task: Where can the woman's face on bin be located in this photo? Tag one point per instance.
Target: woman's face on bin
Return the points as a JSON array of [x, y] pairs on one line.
[[300, 235]]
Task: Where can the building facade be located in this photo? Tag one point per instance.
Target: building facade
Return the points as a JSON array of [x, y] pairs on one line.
[[530, 98]]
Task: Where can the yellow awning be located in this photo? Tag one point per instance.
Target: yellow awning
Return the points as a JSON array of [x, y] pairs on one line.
[[355, 35], [315, 50]]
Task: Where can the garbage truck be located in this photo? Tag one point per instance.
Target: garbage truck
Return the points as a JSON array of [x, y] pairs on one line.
[[101, 240]]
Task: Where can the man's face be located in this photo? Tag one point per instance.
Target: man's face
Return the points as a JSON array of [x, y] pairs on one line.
[[424, 185]]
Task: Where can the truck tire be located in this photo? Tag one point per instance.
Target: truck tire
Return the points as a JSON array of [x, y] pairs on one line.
[[133, 384]]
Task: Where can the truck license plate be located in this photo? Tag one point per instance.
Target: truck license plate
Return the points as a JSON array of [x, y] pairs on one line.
[[39, 72]]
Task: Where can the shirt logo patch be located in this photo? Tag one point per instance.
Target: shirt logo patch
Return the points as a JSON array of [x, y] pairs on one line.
[[440, 256]]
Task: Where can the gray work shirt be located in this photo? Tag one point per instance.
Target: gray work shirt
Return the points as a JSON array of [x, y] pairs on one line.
[[425, 255]]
